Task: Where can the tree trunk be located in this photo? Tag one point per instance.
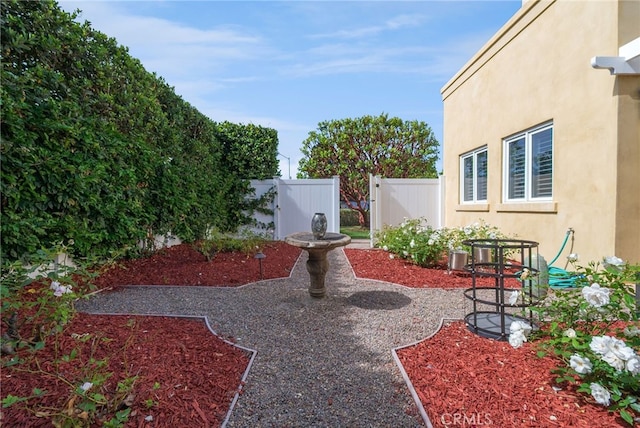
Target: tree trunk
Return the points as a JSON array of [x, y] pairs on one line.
[[363, 217]]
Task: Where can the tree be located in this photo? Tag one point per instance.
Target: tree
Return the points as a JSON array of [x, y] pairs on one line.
[[355, 148]]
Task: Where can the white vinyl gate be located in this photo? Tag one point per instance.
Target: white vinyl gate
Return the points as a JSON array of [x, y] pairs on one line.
[[297, 201], [392, 200]]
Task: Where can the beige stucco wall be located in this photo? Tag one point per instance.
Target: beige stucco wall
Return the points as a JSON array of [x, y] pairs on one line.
[[628, 94], [538, 69]]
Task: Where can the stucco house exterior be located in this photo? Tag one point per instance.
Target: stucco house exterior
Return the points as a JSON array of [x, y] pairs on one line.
[[542, 129]]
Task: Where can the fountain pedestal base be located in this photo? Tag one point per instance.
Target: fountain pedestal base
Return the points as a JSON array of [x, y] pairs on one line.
[[317, 264]]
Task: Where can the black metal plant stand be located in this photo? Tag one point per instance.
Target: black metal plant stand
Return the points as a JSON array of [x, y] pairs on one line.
[[501, 259]]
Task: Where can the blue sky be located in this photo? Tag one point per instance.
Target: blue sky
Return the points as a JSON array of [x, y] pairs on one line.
[[291, 65]]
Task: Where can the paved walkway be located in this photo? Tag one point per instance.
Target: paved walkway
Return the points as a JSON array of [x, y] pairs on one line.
[[320, 362]]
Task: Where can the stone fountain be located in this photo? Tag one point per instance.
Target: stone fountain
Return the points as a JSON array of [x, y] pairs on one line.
[[317, 243]]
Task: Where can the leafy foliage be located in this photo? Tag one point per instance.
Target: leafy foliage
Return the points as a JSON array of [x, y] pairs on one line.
[[355, 148], [348, 217], [98, 150], [215, 242], [594, 331], [413, 240], [48, 310], [248, 152], [426, 246]]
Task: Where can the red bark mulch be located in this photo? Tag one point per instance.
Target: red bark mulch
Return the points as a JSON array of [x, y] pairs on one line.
[[463, 379], [382, 265], [183, 265], [182, 374], [187, 377]]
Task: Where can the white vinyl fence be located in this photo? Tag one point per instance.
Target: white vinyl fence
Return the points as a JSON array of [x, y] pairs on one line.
[[297, 200], [392, 200], [395, 199]]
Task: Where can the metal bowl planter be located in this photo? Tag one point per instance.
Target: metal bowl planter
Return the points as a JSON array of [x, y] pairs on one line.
[[458, 259]]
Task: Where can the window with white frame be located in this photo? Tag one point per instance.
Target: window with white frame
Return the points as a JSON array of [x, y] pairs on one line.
[[473, 176], [528, 165]]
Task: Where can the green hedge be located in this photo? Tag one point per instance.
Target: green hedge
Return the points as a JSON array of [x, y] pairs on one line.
[[97, 150], [349, 217]]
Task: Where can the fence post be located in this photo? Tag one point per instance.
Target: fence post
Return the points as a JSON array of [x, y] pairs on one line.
[[335, 205]]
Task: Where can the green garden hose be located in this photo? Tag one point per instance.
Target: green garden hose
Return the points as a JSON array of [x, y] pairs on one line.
[[561, 278]]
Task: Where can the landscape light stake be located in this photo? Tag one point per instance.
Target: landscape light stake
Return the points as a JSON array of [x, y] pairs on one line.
[[260, 256]]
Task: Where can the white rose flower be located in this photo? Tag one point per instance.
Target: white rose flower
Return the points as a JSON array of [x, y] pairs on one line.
[[596, 296], [600, 394], [385, 248], [519, 330], [633, 365], [520, 326], [570, 333], [572, 258], [614, 361], [600, 344], [513, 298], [412, 243], [620, 349], [614, 261], [54, 285], [86, 386], [580, 364]]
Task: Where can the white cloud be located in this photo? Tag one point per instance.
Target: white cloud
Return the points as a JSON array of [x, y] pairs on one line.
[[170, 48], [290, 65], [395, 23]]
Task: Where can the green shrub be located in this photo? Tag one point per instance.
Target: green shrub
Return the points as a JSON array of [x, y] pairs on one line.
[[349, 217], [215, 242], [593, 332], [108, 168], [415, 240]]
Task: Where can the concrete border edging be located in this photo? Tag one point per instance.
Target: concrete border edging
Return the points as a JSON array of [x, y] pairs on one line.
[[405, 376], [245, 375]]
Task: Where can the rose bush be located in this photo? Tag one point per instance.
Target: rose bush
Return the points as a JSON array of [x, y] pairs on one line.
[[425, 245], [593, 329]]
